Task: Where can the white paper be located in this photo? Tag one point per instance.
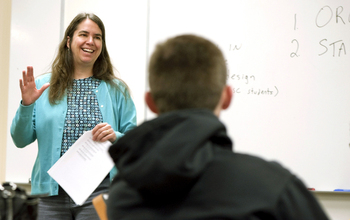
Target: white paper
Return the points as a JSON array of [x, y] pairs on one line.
[[83, 167]]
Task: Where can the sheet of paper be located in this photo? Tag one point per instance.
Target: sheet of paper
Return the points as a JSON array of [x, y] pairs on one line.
[[83, 167]]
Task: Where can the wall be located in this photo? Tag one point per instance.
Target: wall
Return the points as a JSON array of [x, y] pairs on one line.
[[336, 205], [129, 45], [5, 27]]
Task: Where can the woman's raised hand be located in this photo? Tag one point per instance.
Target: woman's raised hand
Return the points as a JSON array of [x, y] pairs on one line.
[[28, 88]]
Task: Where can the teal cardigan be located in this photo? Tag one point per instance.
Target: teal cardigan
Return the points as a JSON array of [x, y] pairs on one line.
[[44, 122]]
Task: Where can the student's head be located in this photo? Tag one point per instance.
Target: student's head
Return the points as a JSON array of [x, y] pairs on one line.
[[187, 71]]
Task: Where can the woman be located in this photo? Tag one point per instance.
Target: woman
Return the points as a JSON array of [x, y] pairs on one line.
[[81, 94]]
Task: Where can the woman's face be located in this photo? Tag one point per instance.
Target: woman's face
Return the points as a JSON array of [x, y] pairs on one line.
[[86, 45]]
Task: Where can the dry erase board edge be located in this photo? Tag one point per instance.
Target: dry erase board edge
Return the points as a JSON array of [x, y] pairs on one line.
[[330, 192]]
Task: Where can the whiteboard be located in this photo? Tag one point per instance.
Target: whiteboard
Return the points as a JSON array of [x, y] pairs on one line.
[[289, 68]]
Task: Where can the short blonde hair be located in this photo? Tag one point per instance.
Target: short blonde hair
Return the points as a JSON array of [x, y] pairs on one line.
[[186, 71]]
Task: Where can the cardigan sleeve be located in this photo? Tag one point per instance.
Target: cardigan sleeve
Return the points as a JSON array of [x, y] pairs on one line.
[[22, 127], [127, 114]]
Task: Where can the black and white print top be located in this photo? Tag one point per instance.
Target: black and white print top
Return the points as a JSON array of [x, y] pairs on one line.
[[83, 112]]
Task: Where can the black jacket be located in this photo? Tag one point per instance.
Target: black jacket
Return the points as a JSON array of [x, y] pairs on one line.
[[181, 166]]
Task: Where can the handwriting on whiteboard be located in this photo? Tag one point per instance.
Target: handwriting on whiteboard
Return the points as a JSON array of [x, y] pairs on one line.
[[326, 17]]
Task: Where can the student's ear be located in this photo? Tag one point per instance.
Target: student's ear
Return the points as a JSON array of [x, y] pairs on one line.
[[228, 94], [150, 102]]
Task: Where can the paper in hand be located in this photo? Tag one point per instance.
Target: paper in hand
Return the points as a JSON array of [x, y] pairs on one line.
[[83, 167]]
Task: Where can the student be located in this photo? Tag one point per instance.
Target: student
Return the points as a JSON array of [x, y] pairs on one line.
[[180, 165], [82, 93]]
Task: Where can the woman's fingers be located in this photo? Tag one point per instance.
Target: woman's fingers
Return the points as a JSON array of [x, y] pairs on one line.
[[28, 75], [103, 132], [28, 87]]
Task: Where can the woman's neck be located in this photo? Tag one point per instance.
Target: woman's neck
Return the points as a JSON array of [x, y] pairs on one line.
[[81, 72]]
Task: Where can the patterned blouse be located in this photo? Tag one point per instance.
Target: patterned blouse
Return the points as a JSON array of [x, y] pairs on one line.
[[83, 112]]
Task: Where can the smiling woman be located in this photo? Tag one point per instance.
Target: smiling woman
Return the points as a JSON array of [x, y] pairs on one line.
[[86, 31], [86, 47], [81, 94]]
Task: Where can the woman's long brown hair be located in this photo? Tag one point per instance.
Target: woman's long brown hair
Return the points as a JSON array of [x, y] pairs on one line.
[[63, 67]]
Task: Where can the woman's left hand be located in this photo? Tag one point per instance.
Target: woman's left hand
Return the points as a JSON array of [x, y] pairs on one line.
[[103, 132]]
